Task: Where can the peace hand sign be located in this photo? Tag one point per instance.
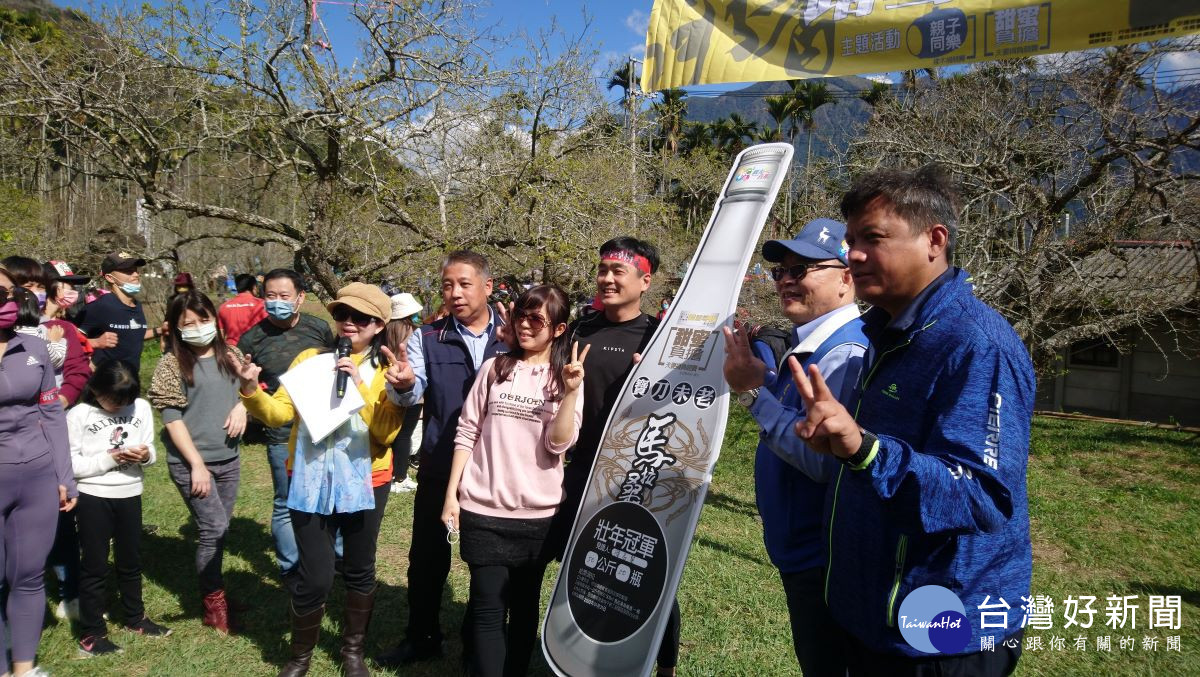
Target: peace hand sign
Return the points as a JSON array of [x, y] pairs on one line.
[[829, 427], [399, 372], [573, 371], [506, 331], [743, 371]]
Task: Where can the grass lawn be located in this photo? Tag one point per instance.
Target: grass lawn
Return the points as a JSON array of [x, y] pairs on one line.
[[1113, 511]]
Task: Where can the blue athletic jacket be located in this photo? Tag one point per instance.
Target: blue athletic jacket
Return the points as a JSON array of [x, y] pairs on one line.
[[789, 478], [949, 389]]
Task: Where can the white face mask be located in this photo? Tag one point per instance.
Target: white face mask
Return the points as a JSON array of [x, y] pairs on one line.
[[200, 335]]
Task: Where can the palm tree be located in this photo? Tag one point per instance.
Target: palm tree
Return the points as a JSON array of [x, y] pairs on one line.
[[720, 132], [671, 112], [810, 96], [696, 135], [878, 92], [623, 77], [740, 129], [780, 109]]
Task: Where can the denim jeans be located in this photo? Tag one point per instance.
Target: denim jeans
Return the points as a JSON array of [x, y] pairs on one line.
[[286, 553], [212, 514]]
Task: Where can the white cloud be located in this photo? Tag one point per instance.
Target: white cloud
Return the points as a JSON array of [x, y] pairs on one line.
[[885, 78], [1176, 69], [637, 21], [1065, 62], [1179, 60]]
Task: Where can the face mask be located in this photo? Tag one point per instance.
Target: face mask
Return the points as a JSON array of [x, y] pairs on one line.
[[68, 298], [280, 310], [41, 298], [131, 288], [201, 335], [8, 315]]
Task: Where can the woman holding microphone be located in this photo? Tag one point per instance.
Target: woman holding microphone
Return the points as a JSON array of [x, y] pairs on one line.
[[340, 483]]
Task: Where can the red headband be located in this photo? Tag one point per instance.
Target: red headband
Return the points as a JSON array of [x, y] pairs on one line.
[[636, 260]]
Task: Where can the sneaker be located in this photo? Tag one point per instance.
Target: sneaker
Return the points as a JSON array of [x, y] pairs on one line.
[[148, 628], [67, 609], [38, 671], [409, 484], [92, 646]]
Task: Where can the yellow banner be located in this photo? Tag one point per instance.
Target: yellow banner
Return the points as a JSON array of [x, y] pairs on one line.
[[693, 42]]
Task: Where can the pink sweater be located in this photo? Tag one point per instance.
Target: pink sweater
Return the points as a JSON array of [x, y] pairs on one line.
[[514, 471]]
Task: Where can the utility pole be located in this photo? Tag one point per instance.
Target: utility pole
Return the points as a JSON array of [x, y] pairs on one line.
[[632, 106]]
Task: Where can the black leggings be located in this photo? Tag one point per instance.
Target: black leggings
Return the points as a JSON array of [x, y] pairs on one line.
[[315, 535], [502, 618]]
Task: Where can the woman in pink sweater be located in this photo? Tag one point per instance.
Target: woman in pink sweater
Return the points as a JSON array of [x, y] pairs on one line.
[[522, 414]]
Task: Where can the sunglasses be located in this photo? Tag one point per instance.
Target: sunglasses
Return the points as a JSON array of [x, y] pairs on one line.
[[535, 321], [798, 271], [343, 313]]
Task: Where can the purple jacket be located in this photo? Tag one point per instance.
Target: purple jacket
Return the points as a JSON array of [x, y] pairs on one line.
[[32, 423]]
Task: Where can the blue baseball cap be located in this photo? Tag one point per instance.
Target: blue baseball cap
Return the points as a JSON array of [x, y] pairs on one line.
[[818, 240]]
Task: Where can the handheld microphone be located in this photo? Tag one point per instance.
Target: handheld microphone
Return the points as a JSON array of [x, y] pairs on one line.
[[343, 350]]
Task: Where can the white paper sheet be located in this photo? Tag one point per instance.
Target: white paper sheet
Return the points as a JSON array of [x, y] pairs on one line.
[[311, 385]]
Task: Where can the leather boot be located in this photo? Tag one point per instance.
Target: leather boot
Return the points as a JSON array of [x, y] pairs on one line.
[[305, 630], [354, 633], [216, 611]]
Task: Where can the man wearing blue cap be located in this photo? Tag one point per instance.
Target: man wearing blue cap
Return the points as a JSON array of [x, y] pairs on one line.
[[816, 292]]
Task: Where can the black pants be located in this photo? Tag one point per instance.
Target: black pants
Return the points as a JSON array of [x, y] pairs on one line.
[[502, 619], [998, 663], [64, 556], [428, 560], [815, 636], [101, 520], [315, 536], [402, 446]]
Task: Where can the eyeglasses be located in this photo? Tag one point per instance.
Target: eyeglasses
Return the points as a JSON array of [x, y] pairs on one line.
[[798, 271], [5, 295], [536, 322], [343, 313]]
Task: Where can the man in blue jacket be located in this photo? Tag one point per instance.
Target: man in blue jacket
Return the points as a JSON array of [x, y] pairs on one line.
[[439, 364], [932, 490], [817, 294]]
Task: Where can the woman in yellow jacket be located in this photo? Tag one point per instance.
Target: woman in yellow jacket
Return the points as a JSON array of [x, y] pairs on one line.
[[339, 483]]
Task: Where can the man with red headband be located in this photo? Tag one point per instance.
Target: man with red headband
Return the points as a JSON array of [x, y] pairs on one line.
[[616, 334]]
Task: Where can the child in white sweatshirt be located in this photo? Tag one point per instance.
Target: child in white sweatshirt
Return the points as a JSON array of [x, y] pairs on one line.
[[112, 437]]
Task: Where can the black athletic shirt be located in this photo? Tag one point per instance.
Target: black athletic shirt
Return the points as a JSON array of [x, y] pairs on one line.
[[608, 364], [106, 314]]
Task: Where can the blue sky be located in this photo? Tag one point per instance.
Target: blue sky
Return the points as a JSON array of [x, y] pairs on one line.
[[616, 29]]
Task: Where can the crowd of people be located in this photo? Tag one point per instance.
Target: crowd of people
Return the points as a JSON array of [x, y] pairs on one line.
[[864, 490]]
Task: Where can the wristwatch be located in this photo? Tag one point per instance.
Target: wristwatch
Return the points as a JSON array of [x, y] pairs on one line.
[[866, 452], [748, 398]]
